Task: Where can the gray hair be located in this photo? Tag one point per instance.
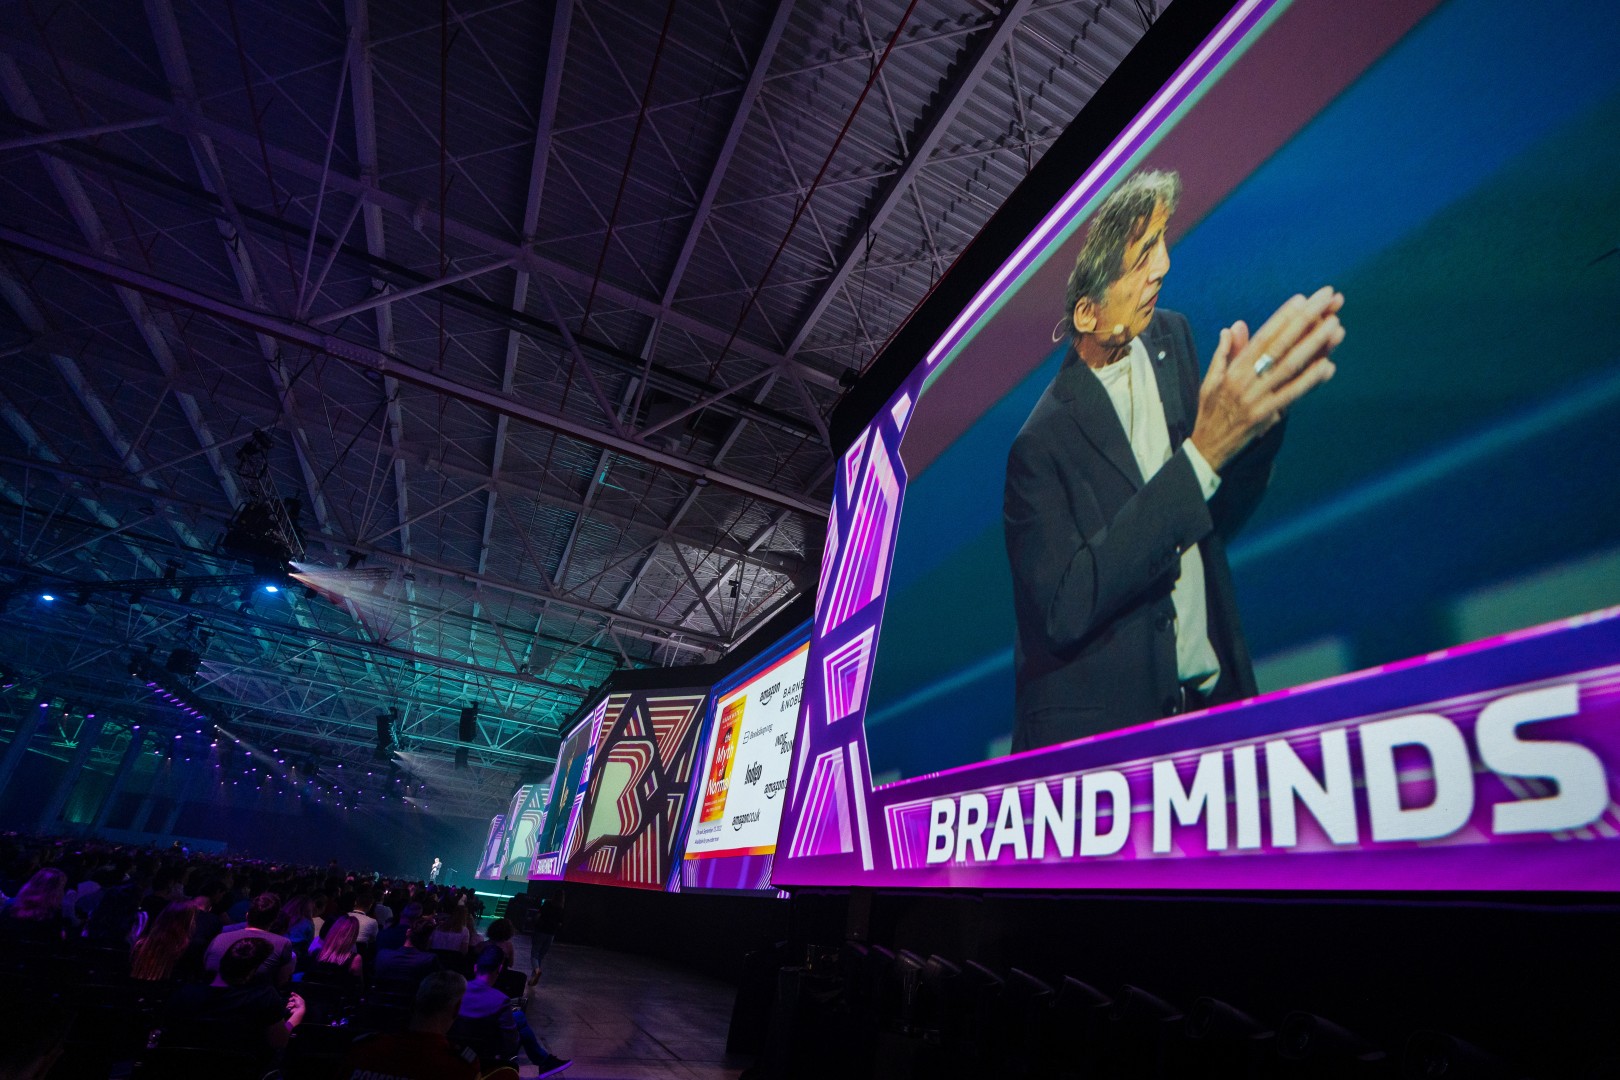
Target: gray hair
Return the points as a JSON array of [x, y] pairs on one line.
[[440, 994], [1118, 222]]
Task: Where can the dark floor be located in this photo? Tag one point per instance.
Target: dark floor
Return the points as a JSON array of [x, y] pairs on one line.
[[622, 1017]]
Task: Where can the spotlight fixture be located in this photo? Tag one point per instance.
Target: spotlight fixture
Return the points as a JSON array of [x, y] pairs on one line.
[[47, 597]]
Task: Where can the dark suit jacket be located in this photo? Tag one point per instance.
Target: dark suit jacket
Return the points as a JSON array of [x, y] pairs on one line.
[[1095, 552]]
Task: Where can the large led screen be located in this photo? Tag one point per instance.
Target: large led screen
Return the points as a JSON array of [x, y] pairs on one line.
[[567, 792], [637, 795], [1296, 415], [742, 774]]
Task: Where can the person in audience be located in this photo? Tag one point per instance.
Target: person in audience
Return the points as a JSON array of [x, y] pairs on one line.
[[159, 954], [297, 922], [452, 935], [35, 915], [361, 910], [338, 962], [383, 914], [207, 898], [280, 964], [423, 1052], [394, 936], [236, 911], [412, 961], [318, 901], [239, 1010], [115, 917], [106, 876], [486, 1003], [165, 891], [500, 937]]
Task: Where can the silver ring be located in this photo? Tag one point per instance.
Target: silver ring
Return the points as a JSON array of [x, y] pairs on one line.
[[1263, 365]]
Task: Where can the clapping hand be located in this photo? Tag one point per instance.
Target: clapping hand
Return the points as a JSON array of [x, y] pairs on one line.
[[1253, 380]]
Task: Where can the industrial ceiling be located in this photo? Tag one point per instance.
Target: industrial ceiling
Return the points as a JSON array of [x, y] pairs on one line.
[[515, 325]]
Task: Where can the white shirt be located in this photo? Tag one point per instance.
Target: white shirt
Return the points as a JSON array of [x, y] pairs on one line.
[[1133, 388], [368, 927]]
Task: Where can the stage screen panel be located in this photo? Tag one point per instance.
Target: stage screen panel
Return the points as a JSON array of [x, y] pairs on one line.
[[1137, 513], [742, 772], [489, 864], [567, 792], [524, 828], [641, 784]]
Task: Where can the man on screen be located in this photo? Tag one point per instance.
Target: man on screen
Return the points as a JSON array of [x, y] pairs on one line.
[[1129, 477]]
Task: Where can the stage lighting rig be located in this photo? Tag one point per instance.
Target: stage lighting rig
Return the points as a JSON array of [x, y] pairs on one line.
[[264, 531]]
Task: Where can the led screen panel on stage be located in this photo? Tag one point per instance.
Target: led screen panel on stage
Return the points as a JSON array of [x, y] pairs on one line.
[[514, 806], [1343, 641], [567, 793], [742, 773], [637, 796], [489, 864], [523, 830]]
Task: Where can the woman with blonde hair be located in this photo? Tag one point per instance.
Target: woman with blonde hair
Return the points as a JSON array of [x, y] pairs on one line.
[[36, 912], [339, 961], [160, 950]]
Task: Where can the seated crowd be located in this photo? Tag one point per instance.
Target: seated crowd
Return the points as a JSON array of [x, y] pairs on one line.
[[318, 971]]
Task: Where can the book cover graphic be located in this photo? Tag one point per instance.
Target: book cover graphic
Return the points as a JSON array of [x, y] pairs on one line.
[[725, 754]]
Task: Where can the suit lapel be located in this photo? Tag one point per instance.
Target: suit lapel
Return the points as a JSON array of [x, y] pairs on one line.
[[1163, 353], [1088, 405]]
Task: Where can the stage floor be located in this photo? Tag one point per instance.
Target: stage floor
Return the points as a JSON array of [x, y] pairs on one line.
[[623, 1017]]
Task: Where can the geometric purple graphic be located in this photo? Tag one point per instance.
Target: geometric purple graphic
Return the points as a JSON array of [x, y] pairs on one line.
[[844, 671], [861, 577], [750, 873], [829, 560], [901, 411], [489, 866], [824, 827], [852, 460]]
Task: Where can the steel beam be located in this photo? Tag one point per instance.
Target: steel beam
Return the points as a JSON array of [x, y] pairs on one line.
[[368, 189], [375, 360], [979, 54]]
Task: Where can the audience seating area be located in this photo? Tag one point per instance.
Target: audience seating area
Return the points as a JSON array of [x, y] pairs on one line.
[[871, 1011], [66, 985]]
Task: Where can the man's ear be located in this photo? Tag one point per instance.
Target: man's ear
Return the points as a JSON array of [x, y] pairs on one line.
[[1085, 316]]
